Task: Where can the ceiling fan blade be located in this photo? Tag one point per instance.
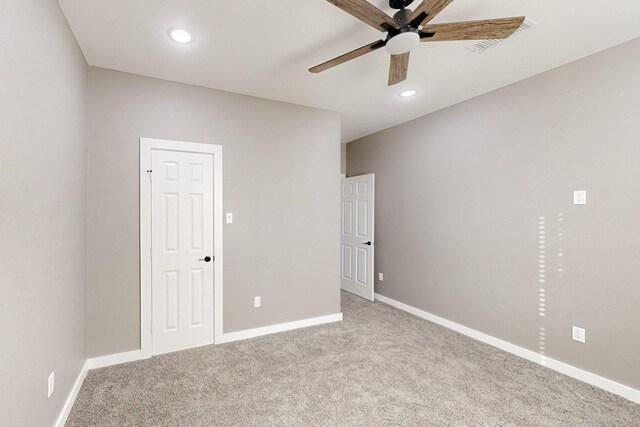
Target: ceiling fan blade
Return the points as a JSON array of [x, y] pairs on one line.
[[348, 56], [367, 13], [472, 30], [427, 10], [399, 68]]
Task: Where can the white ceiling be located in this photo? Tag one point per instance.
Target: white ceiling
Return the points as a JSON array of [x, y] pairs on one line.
[[264, 48]]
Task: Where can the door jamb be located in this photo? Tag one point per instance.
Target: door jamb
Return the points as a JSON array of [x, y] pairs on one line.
[[146, 147]]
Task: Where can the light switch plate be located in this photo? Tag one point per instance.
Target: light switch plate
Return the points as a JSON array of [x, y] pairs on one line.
[[257, 302], [229, 218], [380, 277], [580, 197]]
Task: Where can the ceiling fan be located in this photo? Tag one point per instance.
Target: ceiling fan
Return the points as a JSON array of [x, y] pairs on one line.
[[409, 27]]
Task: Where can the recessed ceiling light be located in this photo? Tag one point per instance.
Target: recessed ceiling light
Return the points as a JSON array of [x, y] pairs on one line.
[[180, 35], [408, 93]]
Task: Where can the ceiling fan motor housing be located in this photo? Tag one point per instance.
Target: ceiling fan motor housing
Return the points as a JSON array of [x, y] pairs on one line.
[[399, 4], [402, 16], [405, 38]]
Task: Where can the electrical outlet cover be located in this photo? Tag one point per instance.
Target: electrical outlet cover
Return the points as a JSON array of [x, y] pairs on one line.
[[578, 334], [580, 197]]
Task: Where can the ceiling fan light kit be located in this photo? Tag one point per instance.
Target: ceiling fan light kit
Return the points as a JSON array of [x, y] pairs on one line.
[[409, 27], [402, 43]]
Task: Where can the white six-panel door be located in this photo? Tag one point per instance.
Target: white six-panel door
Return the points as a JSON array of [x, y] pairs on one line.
[[182, 239], [357, 235]]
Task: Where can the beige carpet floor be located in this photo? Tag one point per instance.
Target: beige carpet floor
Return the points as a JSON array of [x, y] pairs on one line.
[[379, 367]]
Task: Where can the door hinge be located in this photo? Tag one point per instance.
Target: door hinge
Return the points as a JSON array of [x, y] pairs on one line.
[[151, 329], [150, 252], [149, 173]]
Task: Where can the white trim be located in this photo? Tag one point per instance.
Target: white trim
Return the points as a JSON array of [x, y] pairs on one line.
[[146, 145], [569, 370], [281, 327], [116, 359], [132, 356], [68, 404]]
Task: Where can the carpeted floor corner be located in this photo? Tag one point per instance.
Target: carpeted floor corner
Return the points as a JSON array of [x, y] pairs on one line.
[[379, 367]]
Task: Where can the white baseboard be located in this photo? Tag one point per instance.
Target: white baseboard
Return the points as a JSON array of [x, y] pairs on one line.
[[571, 371], [131, 356], [281, 327], [116, 359], [68, 404]]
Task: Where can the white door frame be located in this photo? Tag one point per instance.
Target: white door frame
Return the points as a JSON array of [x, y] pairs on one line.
[[146, 147]]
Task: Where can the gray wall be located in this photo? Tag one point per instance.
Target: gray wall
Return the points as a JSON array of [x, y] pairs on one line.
[[281, 175], [42, 218], [460, 193]]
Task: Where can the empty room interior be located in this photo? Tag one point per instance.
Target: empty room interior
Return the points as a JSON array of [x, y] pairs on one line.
[[320, 213]]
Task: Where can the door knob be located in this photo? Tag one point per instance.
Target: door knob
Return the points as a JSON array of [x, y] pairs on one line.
[[205, 259], [367, 243]]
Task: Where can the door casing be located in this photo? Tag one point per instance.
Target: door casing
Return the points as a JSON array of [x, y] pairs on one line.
[[147, 145]]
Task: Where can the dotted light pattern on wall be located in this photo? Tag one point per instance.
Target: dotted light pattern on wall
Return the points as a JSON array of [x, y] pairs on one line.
[[542, 283], [560, 250], [544, 264]]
